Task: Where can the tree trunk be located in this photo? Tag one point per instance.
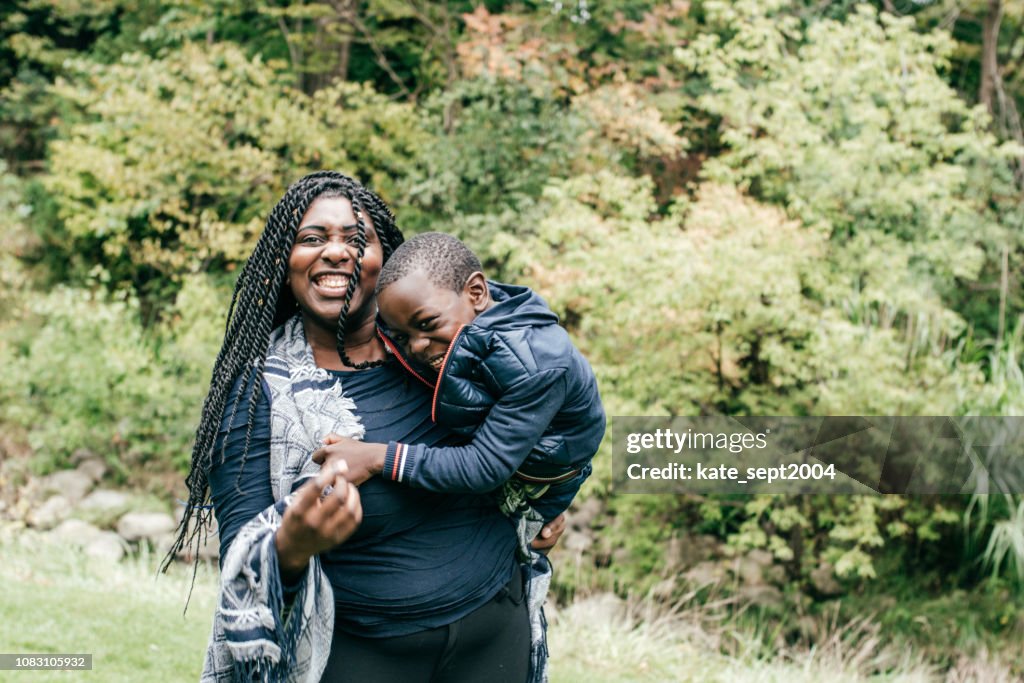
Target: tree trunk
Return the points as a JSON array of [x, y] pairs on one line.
[[989, 55], [345, 11]]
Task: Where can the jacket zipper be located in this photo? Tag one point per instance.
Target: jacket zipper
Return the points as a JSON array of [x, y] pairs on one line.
[[440, 373], [401, 359]]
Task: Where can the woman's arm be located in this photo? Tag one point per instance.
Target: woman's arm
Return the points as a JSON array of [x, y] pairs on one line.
[[240, 482]]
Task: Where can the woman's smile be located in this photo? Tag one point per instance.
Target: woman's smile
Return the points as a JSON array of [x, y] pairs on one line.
[[331, 284]]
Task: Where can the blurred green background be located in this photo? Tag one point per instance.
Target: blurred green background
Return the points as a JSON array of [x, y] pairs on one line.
[[781, 207]]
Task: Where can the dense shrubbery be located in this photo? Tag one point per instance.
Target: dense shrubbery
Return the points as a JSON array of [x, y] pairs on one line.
[[737, 208]]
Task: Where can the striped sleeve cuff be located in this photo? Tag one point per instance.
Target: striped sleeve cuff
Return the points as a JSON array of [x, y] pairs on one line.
[[397, 461]]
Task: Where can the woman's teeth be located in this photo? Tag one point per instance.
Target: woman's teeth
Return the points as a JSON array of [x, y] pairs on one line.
[[331, 281]]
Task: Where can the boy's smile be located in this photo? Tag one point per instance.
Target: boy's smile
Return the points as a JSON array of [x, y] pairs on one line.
[[423, 317]]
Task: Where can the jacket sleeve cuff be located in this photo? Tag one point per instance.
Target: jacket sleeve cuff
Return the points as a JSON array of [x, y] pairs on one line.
[[399, 459]]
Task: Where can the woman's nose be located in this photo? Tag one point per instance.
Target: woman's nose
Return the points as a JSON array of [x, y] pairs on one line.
[[335, 251]]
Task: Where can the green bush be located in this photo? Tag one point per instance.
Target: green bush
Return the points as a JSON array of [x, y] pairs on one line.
[[82, 373]]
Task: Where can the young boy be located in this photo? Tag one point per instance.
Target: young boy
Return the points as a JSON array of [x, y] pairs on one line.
[[502, 371]]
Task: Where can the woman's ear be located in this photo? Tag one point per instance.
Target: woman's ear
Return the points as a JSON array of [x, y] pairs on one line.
[[478, 292]]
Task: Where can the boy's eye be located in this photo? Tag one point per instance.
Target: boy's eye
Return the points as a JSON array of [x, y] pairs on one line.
[[425, 324]]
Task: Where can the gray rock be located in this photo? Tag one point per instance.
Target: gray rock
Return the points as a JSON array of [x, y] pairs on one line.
[[105, 501], [775, 575], [136, 526], [71, 484], [664, 590], [75, 532], [676, 554], [50, 513], [761, 557], [708, 547], [583, 516], [29, 495], [81, 454], [106, 546], [748, 571], [94, 468], [823, 579], [705, 573], [762, 596], [684, 551], [577, 541], [209, 550]]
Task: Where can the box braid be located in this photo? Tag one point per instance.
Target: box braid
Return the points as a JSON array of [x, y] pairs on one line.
[[259, 303]]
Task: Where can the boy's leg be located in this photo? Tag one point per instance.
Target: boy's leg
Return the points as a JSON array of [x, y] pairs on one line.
[[556, 498]]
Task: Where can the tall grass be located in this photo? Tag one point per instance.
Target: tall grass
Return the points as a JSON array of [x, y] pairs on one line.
[[994, 524], [56, 600], [696, 642]]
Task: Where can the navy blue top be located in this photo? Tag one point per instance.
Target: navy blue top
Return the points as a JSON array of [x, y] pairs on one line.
[[419, 559]]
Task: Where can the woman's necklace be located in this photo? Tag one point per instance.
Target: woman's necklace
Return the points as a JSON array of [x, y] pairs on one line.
[[361, 366]]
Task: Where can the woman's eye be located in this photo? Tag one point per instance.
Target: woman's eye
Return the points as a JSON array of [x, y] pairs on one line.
[[310, 239]]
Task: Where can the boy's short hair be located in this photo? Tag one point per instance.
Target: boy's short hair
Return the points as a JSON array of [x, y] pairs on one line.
[[446, 261]]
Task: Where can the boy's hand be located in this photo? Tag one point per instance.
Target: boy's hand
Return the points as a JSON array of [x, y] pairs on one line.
[[363, 459], [549, 535]]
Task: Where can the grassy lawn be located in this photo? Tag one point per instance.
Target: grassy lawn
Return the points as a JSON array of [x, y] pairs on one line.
[[55, 600]]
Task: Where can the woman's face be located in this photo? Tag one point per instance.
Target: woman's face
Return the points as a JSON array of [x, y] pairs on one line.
[[323, 259]]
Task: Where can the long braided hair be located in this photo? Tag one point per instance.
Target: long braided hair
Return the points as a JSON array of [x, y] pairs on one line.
[[260, 303]]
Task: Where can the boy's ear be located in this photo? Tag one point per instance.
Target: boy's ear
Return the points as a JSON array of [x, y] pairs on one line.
[[477, 291]]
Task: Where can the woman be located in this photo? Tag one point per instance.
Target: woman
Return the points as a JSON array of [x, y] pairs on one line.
[[422, 586]]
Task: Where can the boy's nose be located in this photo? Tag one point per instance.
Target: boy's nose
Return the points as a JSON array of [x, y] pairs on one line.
[[418, 346]]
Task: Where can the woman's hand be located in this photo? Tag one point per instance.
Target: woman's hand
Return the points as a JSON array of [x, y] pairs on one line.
[[362, 459], [549, 535], [317, 519]]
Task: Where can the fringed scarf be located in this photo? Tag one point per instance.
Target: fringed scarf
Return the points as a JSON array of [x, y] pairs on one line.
[[255, 637]]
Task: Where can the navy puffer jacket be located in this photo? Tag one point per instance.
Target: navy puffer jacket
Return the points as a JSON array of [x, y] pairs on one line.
[[514, 381]]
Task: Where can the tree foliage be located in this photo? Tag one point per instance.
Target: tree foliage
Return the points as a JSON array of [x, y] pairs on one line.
[[173, 162], [785, 207]]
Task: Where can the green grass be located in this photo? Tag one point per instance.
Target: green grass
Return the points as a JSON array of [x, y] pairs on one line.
[[57, 601]]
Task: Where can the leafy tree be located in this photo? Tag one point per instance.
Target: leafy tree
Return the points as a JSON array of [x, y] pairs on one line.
[[850, 126], [176, 161]]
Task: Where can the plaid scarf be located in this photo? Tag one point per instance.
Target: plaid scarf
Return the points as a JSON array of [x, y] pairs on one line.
[[255, 636]]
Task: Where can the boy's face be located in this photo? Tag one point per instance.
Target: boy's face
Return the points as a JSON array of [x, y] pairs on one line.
[[424, 318]]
